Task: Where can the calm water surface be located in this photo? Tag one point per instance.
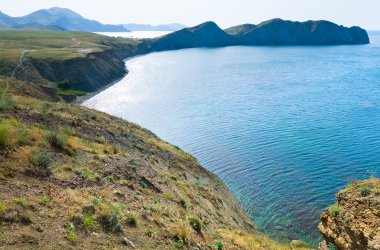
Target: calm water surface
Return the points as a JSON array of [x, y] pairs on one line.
[[284, 127]]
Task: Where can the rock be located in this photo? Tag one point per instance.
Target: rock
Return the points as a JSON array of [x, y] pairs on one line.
[[355, 222], [294, 244], [322, 245], [127, 242]]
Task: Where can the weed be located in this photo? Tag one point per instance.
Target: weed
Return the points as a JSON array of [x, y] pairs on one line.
[[21, 202], [45, 201], [180, 232], [7, 103], [183, 203], [4, 135], [111, 178], [365, 191], [179, 244], [123, 182], [70, 231], [89, 222], [58, 140], [219, 245], [335, 210], [41, 162], [195, 223], [131, 219], [110, 216], [150, 232]]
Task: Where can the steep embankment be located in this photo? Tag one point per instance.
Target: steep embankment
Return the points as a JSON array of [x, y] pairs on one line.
[[74, 178], [71, 60], [354, 221]]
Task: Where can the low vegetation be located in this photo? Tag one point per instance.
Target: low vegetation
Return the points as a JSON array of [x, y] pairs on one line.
[[79, 176]]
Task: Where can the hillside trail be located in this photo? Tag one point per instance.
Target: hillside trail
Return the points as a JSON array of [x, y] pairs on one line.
[[77, 43], [20, 62]]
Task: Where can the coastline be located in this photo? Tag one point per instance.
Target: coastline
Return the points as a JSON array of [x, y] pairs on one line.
[[81, 99]]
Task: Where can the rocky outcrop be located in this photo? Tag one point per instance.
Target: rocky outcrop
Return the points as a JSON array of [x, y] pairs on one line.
[[354, 221]]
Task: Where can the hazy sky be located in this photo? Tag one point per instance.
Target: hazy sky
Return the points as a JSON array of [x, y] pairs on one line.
[[364, 13]]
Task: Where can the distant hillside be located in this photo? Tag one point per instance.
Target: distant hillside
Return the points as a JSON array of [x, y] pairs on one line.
[[148, 27], [272, 32], [282, 32], [207, 34], [56, 19]]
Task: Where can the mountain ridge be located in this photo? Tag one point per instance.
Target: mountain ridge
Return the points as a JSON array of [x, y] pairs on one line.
[[57, 19]]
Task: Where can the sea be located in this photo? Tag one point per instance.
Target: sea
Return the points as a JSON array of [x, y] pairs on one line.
[[284, 127]]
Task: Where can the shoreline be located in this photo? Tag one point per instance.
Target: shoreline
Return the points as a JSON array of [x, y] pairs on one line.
[[81, 99]]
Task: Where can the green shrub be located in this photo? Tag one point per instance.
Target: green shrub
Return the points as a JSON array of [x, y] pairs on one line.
[[70, 231], [89, 222], [45, 201], [335, 210], [219, 245], [21, 202], [183, 203], [58, 140], [110, 216], [365, 191], [195, 223], [179, 244], [4, 134], [41, 162], [150, 232], [111, 178], [131, 219], [41, 158], [7, 103]]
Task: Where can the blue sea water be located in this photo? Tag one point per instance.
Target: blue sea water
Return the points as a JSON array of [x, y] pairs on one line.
[[284, 127]]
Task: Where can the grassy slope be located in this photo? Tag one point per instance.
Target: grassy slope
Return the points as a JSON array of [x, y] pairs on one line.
[[72, 177], [51, 44]]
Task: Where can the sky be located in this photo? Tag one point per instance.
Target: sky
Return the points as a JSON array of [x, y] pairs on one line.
[[364, 13]]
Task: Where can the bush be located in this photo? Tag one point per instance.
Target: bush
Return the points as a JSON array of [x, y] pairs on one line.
[[70, 231], [41, 162], [365, 191], [150, 233], [21, 202], [219, 245], [45, 201], [196, 224], [183, 203], [58, 140], [335, 210], [4, 135], [110, 216], [89, 222], [7, 103], [131, 219]]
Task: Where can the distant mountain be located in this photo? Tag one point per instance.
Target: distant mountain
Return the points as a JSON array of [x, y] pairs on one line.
[[282, 32], [207, 34], [56, 19], [148, 27], [272, 32]]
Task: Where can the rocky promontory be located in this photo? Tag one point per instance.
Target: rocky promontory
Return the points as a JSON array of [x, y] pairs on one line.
[[354, 221]]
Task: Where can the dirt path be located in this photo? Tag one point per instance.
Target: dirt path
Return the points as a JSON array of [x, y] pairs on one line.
[[77, 43]]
